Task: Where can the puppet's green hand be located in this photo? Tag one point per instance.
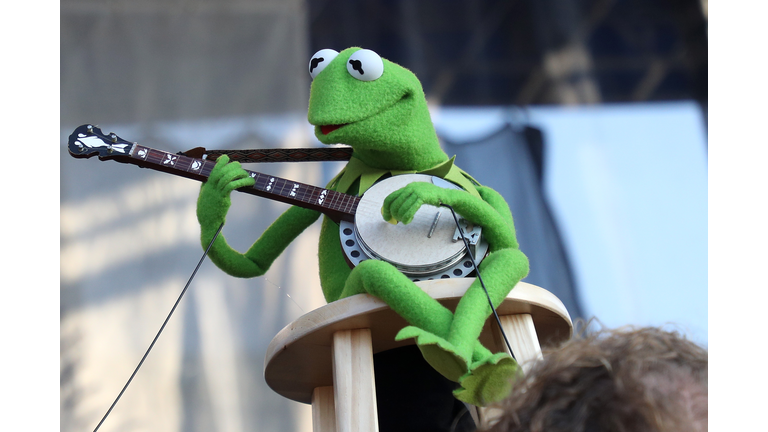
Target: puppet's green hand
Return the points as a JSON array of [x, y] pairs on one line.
[[402, 204], [213, 202]]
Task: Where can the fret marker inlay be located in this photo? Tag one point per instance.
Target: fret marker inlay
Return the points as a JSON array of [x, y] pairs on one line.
[[169, 160]]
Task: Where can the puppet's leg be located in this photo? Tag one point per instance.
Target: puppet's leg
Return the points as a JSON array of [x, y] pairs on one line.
[[490, 377], [422, 312], [384, 281], [501, 271], [489, 374]]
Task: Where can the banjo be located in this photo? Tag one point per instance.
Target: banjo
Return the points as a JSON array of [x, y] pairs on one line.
[[429, 247]]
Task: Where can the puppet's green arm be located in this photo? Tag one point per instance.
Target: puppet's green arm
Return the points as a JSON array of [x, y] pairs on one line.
[[259, 257], [498, 227], [497, 202], [212, 206]]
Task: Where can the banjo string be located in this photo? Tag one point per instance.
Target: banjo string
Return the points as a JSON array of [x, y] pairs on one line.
[[161, 328], [480, 278]]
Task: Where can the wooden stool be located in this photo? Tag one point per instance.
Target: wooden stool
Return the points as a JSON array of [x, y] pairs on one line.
[[325, 357]]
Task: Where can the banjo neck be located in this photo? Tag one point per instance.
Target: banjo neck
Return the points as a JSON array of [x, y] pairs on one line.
[[427, 248], [87, 141]]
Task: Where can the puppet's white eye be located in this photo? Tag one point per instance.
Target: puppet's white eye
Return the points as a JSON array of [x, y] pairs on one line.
[[320, 60], [365, 65]]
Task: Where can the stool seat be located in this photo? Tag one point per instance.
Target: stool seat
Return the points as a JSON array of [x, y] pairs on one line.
[[300, 357]]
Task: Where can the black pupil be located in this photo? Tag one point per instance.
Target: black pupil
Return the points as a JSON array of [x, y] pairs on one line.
[[315, 61], [357, 65]]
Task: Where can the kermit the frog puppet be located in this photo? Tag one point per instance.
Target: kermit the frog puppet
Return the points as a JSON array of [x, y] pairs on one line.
[[379, 109]]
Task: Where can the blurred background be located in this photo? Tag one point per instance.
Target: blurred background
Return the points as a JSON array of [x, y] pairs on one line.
[[589, 116]]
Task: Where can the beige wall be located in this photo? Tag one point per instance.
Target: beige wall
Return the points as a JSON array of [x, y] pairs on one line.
[[175, 75], [143, 61]]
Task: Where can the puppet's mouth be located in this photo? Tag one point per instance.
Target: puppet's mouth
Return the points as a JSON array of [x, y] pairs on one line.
[[326, 129]]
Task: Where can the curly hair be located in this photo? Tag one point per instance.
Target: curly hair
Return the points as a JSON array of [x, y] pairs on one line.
[[624, 380]]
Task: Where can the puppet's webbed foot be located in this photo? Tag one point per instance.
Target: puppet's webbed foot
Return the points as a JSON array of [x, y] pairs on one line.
[[489, 380], [438, 352]]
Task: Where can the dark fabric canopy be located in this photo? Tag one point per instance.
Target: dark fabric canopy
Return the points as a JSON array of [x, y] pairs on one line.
[[511, 162]]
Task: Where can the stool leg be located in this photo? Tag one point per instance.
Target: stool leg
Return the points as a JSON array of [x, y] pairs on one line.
[[323, 410], [353, 381], [522, 337]]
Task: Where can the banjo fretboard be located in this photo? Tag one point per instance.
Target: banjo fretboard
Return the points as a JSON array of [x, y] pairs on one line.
[[87, 141]]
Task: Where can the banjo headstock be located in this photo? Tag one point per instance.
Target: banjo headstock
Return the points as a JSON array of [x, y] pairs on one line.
[[88, 141]]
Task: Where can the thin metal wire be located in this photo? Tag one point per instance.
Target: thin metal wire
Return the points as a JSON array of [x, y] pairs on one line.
[[161, 328], [480, 278]]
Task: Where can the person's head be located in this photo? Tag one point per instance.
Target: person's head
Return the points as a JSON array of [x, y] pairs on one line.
[[625, 380]]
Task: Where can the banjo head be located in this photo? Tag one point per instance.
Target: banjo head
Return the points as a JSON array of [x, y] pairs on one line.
[[423, 248]]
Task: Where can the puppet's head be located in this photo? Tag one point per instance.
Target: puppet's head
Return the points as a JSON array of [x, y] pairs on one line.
[[376, 106]]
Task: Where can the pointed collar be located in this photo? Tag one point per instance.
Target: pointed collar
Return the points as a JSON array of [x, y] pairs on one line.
[[357, 169]]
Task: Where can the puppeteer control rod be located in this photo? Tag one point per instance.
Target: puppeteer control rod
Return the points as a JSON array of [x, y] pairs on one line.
[[161, 329]]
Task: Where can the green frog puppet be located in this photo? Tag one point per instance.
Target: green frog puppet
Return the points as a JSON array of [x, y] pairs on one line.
[[379, 109]]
